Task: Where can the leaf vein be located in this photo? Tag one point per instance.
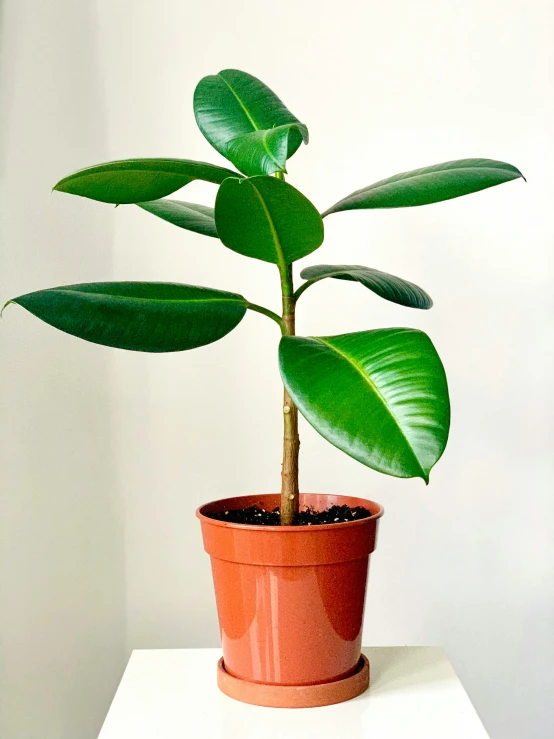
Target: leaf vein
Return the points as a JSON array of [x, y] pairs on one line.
[[360, 370], [239, 101]]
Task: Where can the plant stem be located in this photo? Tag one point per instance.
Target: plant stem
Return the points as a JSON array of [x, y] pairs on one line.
[[291, 441]]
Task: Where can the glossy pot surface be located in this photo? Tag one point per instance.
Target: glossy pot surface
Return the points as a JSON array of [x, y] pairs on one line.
[[290, 599]]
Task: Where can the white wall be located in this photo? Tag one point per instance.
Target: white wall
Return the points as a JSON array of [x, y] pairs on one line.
[[107, 454], [62, 569]]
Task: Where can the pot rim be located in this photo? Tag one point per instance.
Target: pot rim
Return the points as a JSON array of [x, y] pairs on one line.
[[288, 529]]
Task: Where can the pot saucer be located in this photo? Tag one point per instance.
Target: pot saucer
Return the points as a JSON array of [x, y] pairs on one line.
[[294, 696]]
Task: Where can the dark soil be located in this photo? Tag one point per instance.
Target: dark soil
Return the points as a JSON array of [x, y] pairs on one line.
[[308, 517]]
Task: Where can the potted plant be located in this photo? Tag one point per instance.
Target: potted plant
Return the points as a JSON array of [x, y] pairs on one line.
[[289, 570]]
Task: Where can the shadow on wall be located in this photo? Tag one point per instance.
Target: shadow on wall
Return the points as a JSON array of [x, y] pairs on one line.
[[62, 578]]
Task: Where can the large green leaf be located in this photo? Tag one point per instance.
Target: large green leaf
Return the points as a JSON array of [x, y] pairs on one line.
[[386, 286], [141, 316], [139, 180], [192, 217], [380, 396], [268, 219], [246, 122], [430, 185]]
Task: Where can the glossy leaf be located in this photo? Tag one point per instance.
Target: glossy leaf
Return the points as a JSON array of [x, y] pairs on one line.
[[266, 218], [263, 152], [139, 180], [380, 396], [430, 185], [383, 284], [190, 216], [141, 316], [246, 122]]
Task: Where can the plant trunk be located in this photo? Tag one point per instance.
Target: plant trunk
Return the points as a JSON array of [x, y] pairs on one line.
[[291, 440]]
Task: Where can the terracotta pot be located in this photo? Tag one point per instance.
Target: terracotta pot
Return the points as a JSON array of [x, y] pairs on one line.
[[290, 601]]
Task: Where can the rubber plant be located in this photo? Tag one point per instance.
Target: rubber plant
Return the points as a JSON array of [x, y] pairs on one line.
[[379, 395]]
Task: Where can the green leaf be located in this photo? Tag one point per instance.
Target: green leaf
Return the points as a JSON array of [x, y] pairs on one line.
[[246, 122], [430, 185], [139, 180], [192, 217], [380, 396], [141, 316], [266, 218], [263, 152], [386, 286]]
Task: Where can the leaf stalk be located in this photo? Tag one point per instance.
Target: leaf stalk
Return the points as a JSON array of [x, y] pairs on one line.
[[269, 313]]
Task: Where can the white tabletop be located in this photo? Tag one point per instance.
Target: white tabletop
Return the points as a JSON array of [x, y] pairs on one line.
[[172, 694]]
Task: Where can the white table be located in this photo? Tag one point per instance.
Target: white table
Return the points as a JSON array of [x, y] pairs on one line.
[[172, 694]]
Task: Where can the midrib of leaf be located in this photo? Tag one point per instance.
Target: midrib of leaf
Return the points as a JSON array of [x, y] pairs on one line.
[[193, 208], [197, 209], [265, 134], [423, 175], [193, 167], [149, 300], [371, 280], [360, 370], [242, 105], [142, 168], [278, 248]]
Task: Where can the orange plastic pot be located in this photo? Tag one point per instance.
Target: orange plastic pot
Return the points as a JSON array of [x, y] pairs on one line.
[[290, 601]]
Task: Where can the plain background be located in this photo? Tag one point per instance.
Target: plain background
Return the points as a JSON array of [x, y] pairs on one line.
[[104, 455]]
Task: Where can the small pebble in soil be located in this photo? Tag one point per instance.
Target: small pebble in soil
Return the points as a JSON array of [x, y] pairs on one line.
[[307, 517]]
